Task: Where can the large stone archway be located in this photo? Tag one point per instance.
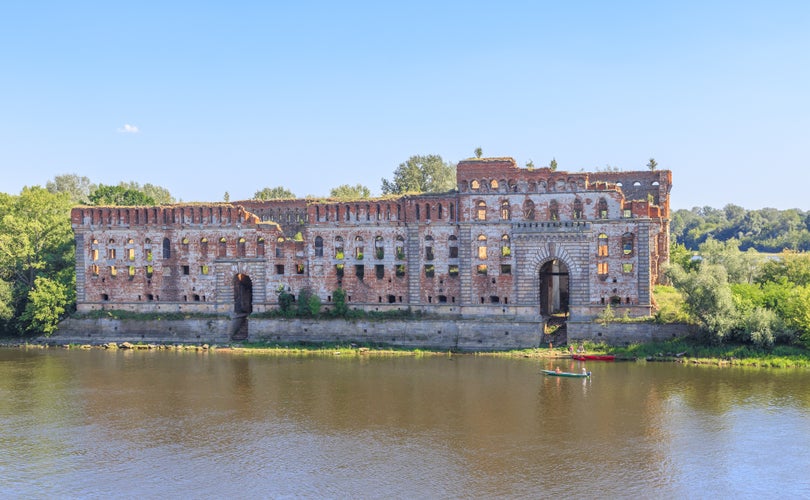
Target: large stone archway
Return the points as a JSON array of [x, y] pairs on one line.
[[554, 290], [242, 294]]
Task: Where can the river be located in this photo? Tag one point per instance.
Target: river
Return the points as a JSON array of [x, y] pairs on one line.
[[151, 424]]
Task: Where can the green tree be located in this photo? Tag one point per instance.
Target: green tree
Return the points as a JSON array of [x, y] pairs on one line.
[[552, 165], [275, 193], [47, 304], [160, 195], [226, 197], [707, 298], [791, 266], [530, 164], [652, 164], [75, 186], [422, 174], [36, 241], [478, 152], [339, 299], [119, 196], [347, 192]]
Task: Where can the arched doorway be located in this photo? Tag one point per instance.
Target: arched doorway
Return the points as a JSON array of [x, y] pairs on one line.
[[554, 288], [242, 294]]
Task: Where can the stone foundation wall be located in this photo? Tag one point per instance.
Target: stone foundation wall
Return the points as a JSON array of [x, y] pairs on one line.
[[625, 333], [456, 334]]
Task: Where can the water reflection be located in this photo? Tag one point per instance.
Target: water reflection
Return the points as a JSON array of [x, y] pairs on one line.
[[209, 424]]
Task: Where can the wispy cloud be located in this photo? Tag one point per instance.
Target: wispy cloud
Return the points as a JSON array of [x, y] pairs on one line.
[[129, 129]]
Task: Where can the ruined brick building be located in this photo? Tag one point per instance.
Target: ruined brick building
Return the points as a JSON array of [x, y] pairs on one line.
[[509, 242]]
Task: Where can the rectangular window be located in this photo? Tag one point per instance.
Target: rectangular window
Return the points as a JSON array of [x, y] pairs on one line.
[[299, 269], [482, 253], [113, 271], [428, 253], [603, 250], [186, 270], [627, 268], [400, 270], [627, 213], [452, 270], [602, 268], [430, 270], [149, 256], [359, 271], [131, 253], [482, 269], [453, 252], [94, 268], [149, 271], [203, 269], [379, 271], [111, 253], [339, 270], [95, 254], [506, 268], [131, 272], [279, 268]]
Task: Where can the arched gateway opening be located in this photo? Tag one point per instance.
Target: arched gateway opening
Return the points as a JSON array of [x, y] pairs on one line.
[[554, 288], [242, 294], [242, 306]]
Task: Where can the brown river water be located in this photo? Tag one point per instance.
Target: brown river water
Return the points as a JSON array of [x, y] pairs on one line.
[[147, 424]]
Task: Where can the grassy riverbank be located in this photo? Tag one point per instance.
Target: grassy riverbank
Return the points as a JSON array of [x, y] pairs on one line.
[[682, 350], [686, 350]]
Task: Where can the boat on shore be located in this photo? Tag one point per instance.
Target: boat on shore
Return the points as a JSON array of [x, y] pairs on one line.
[[593, 357], [555, 373]]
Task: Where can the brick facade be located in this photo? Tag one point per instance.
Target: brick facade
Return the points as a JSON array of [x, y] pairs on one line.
[[508, 242]]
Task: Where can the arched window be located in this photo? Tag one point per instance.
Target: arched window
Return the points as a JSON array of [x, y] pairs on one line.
[[260, 247], [453, 246], [400, 248], [602, 209], [481, 210], [553, 210], [506, 248], [241, 247], [482, 247], [627, 244], [493, 185], [379, 247], [475, 185], [428, 247], [528, 210], [439, 208], [358, 247], [418, 212], [222, 250], [452, 212], [603, 245], [505, 210], [427, 211], [280, 247], [167, 248], [578, 209], [339, 254], [318, 246]]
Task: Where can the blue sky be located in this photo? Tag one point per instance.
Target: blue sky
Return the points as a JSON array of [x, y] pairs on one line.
[[208, 97]]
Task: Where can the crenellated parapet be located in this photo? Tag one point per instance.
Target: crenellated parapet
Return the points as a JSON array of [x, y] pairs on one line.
[[166, 216]]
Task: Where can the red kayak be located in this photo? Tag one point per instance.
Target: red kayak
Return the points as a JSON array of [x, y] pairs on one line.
[[594, 357]]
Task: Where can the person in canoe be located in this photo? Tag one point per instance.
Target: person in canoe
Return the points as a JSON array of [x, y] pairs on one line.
[[558, 370], [581, 349]]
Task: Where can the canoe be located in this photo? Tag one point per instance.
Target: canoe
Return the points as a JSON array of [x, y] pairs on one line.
[[594, 357], [554, 373]]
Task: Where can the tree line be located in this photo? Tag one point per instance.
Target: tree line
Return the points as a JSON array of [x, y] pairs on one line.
[[765, 230]]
